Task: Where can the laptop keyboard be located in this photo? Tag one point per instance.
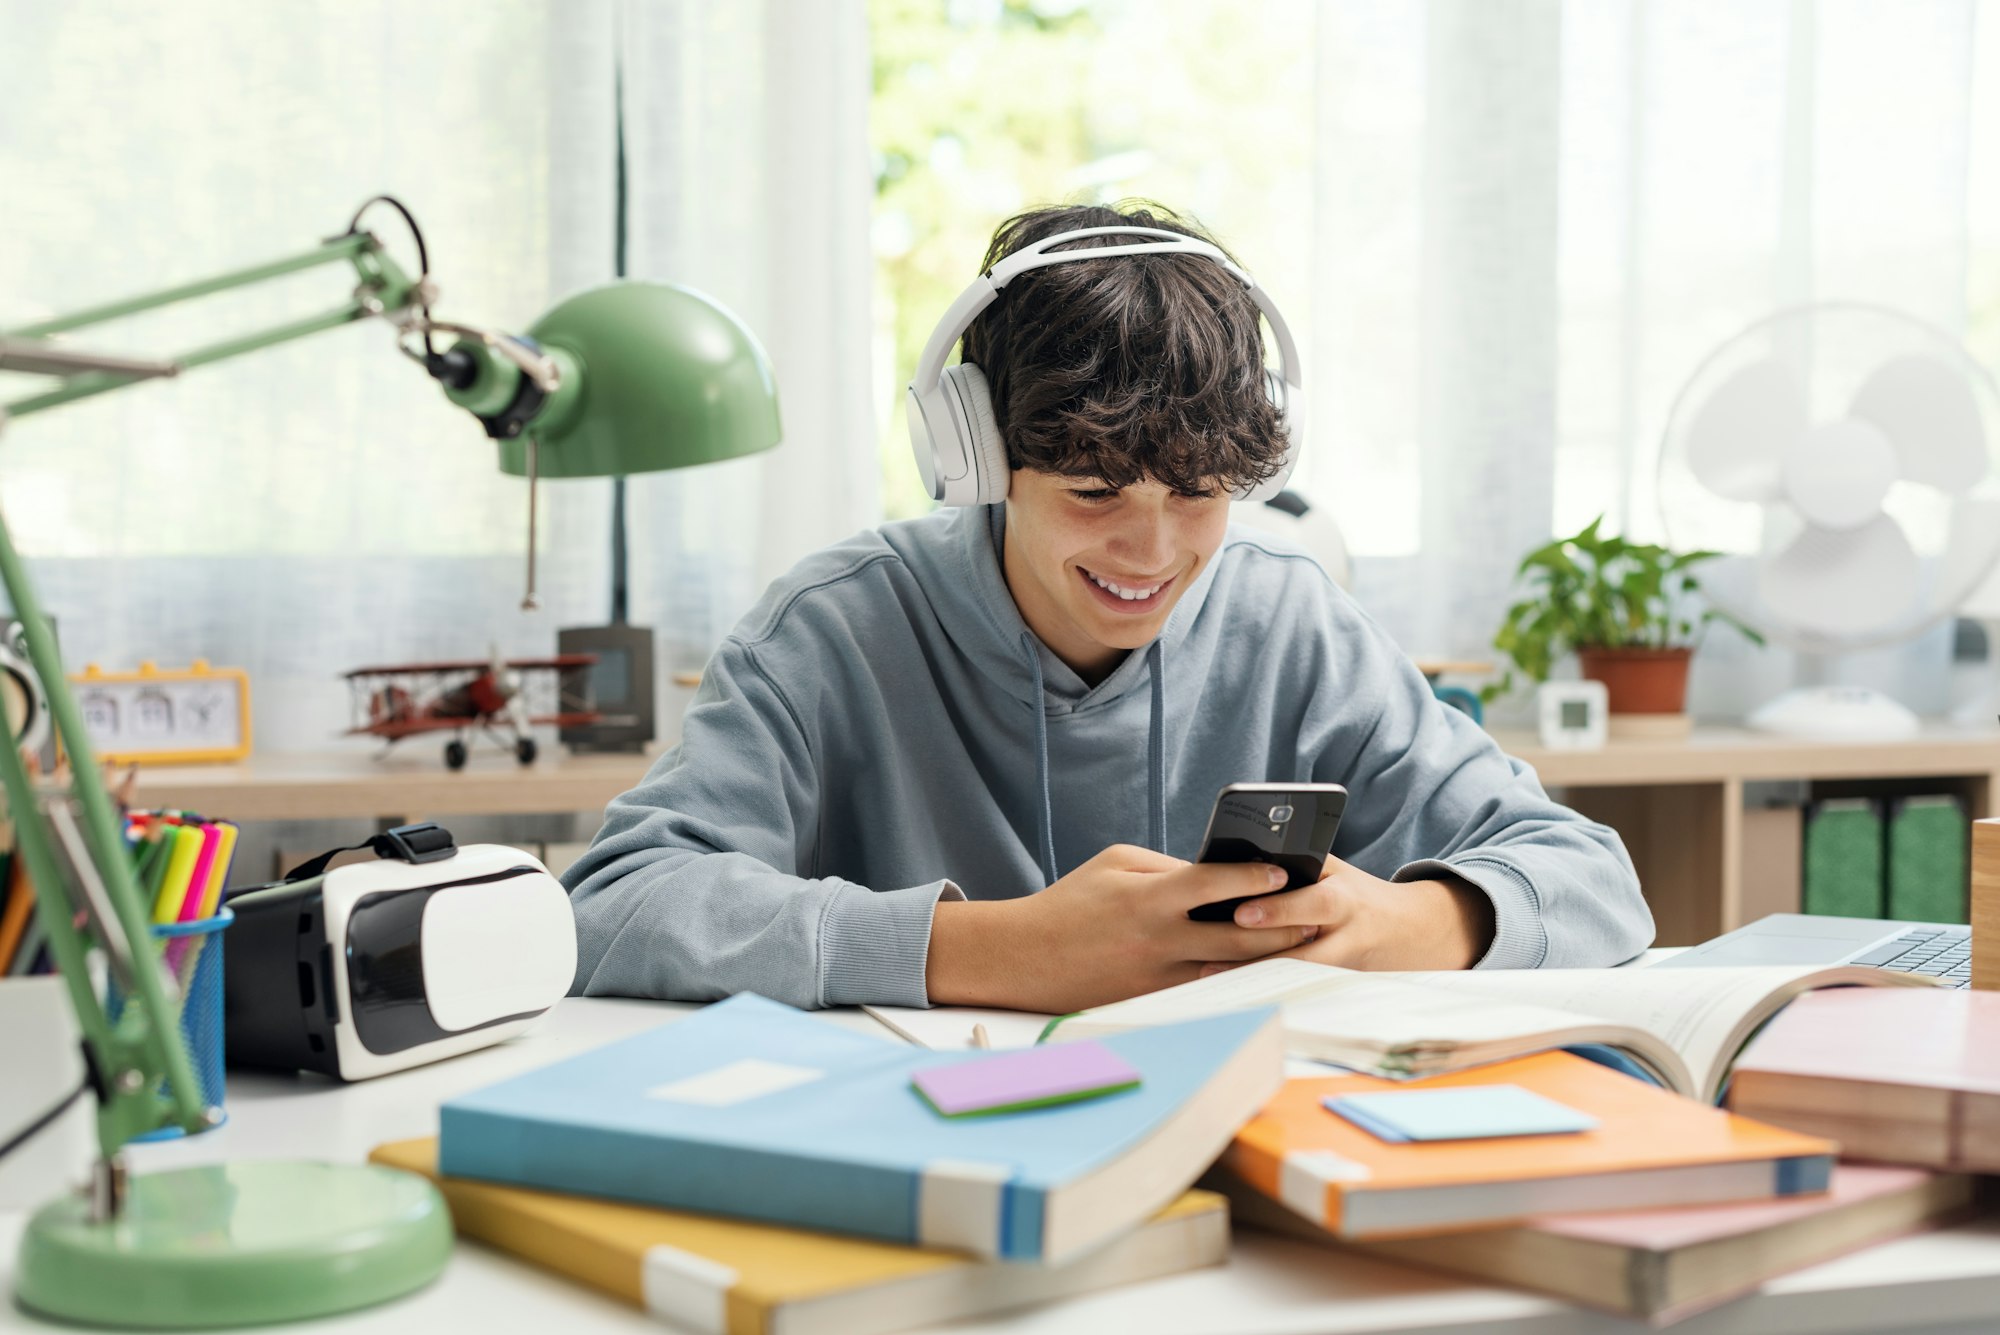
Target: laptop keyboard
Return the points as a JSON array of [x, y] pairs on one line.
[[1943, 953]]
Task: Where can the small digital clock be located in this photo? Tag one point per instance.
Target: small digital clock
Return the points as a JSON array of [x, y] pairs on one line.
[[1575, 715]]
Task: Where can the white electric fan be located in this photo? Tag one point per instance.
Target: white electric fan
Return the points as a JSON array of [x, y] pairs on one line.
[[1847, 453]]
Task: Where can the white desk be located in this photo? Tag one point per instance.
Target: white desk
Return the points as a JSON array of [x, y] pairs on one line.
[[1945, 1282]]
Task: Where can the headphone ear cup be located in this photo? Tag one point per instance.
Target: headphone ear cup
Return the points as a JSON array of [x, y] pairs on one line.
[[986, 484], [1290, 403]]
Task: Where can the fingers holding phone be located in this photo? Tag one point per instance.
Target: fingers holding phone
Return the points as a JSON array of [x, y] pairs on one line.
[[1200, 885], [1114, 927], [1366, 922], [1287, 826], [1319, 903]]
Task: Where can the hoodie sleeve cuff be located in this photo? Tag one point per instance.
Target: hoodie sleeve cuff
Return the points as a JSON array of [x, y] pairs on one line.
[[1520, 940], [873, 944]]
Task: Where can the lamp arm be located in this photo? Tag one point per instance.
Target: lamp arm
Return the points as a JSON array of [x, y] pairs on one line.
[[69, 839], [80, 872], [384, 289]]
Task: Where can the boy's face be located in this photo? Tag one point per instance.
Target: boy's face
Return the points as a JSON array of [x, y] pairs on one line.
[[1068, 537]]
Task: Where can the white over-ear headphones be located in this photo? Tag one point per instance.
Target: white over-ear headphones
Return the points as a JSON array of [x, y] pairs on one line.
[[958, 447]]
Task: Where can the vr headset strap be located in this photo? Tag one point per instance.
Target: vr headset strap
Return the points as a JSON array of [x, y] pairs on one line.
[[428, 842]]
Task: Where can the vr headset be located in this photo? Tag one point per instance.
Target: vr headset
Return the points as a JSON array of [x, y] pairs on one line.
[[430, 951]]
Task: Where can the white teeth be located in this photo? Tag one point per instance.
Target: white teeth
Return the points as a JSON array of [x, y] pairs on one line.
[[1129, 595]]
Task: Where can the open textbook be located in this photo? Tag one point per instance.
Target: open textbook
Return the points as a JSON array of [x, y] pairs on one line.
[[1683, 1027]]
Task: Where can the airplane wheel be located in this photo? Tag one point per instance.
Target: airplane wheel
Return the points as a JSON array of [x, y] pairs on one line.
[[454, 755], [524, 750]]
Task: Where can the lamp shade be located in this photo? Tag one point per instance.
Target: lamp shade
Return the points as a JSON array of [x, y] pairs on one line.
[[655, 376]]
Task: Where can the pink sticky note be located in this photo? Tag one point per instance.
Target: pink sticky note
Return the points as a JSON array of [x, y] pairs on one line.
[[1030, 1078]]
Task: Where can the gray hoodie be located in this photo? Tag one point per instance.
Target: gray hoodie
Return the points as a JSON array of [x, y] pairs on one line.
[[883, 730]]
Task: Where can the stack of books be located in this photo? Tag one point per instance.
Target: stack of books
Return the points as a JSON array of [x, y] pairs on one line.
[[751, 1167], [1665, 1205]]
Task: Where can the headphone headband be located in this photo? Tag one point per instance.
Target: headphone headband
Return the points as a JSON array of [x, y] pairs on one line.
[[948, 444]]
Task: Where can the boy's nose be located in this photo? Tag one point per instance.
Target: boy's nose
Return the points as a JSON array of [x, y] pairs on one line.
[[1146, 549]]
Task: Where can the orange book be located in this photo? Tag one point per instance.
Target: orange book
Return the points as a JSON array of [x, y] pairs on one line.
[[1650, 1148], [17, 906]]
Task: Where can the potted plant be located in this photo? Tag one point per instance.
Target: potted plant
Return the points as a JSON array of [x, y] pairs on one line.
[[1625, 609]]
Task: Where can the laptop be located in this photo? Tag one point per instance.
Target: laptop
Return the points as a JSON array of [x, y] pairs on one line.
[[1940, 949]]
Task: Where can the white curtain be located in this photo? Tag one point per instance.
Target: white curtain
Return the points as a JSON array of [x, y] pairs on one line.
[[320, 506], [1534, 217], [747, 143]]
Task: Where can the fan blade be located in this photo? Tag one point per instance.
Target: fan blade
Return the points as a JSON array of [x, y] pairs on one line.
[[1737, 438], [1927, 410], [1843, 582], [1837, 473]]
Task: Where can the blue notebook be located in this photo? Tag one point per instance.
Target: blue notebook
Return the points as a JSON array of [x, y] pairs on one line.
[[752, 1109]]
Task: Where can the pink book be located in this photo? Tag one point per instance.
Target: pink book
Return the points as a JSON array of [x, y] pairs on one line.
[[1896, 1075], [1663, 1265], [1671, 1230]]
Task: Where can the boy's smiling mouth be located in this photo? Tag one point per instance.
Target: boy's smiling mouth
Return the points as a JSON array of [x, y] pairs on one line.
[[1122, 597]]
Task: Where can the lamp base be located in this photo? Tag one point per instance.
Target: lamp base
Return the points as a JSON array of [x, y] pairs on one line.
[[235, 1245]]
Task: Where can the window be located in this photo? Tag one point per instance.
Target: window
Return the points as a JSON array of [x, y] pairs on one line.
[[983, 108]]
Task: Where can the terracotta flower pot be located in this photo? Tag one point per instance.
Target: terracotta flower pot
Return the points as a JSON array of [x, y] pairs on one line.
[[1640, 681]]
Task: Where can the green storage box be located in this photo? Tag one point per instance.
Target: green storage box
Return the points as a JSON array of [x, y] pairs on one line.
[[1843, 858], [1927, 860]]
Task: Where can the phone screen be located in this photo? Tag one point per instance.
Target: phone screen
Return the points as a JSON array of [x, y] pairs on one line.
[[1287, 825]]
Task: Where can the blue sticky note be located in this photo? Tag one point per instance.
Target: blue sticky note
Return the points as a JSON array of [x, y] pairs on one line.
[[1469, 1112]]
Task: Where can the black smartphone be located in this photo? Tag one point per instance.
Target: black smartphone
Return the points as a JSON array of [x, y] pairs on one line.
[[1289, 825]]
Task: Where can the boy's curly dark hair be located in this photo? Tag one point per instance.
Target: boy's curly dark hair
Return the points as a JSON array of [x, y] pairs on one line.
[[1133, 367]]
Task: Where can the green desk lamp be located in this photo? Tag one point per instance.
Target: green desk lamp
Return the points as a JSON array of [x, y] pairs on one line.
[[628, 378]]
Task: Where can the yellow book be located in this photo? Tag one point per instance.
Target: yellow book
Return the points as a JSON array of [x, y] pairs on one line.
[[733, 1277]]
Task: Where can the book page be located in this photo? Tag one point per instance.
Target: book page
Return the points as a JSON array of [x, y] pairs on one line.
[[1378, 1022], [1703, 1014], [1413, 1023]]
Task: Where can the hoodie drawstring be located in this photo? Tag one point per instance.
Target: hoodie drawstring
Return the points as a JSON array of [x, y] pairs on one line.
[[1156, 756], [1156, 750], [1048, 839]]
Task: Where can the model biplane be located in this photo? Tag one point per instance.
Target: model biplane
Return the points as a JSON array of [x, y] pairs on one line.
[[491, 697]]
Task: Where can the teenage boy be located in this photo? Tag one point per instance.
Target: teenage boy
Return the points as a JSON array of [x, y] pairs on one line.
[[962, 759]]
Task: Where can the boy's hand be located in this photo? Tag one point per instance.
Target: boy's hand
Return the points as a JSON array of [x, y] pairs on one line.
[[1368, 923], [1114, 928]]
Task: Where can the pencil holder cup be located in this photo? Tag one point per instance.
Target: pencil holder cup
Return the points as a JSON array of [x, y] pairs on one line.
[[192, 953]]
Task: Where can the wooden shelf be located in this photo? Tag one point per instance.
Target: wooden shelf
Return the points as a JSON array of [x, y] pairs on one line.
[[1706, 864], [1714, 755], [336, 785]]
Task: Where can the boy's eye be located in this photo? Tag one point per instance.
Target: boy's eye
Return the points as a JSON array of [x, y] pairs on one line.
[[1094, 494]]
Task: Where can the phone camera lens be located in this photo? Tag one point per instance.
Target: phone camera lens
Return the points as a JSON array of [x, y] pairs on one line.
[[1281, 814]]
